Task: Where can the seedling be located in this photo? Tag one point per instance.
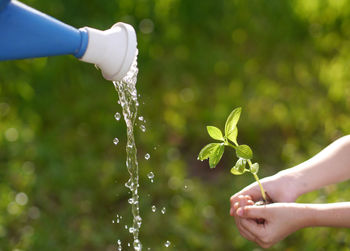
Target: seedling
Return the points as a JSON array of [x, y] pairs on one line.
[[244, 153]]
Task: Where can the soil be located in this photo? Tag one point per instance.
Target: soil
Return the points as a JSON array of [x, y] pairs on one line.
[[262, 203]]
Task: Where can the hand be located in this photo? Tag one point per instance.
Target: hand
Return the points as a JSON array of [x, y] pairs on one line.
[[280, 220], [278, 187]]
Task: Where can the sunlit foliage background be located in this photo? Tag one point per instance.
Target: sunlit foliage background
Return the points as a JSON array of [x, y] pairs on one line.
[[62, 179]]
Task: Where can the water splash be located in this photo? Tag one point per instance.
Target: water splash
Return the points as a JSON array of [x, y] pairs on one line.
[[143, 128], [163, 210], [118, 219], [128, 100], [154, 208], [167, 244], [119, 245]]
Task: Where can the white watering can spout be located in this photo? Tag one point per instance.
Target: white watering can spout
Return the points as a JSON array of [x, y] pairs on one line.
[[28, 33], [113, 50]]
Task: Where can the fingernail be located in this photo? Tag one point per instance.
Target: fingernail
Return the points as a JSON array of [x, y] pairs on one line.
[[235, 206], [239, 212]]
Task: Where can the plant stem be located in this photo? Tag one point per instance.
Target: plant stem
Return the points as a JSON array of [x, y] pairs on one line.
[[229, 144], [257, 179], [261, 187]]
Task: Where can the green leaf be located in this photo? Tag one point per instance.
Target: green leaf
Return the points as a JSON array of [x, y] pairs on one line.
[[206, 151], [244, 152], [254, 168], [215, 133], [232, 121], [216, 155], [239, 168], [233, 136]]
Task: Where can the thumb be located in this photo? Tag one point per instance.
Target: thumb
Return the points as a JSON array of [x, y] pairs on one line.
[[256, 212]]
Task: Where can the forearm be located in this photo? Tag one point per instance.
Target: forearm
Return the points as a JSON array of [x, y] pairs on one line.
[[331, 165], [326, 215]]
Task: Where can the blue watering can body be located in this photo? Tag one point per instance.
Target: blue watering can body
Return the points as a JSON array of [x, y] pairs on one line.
[[28, 33]]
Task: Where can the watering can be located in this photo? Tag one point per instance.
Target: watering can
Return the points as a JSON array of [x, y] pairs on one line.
[[28, 33]]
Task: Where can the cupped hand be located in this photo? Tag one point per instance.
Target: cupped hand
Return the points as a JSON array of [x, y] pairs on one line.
[[279, 188], [280, 220]]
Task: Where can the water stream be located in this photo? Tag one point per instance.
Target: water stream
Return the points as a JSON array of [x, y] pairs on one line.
[[128, 100]]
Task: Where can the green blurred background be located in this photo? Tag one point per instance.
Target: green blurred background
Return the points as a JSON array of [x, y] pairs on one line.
[[62, 179]]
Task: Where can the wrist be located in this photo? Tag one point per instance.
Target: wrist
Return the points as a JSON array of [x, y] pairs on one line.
[[308, 215], [291, 183]]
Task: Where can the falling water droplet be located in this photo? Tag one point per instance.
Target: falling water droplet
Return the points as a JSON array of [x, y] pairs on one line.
[[117, 116], [129, 184], [113, 221], [138, 221], [163, 210], [137, 245], [131, 201], [150, 175], [141, 118], [115, 141], [119, 245], [147, 156], [118, 218], [143, 128], [154, 208], [131, 230], [167, 244]]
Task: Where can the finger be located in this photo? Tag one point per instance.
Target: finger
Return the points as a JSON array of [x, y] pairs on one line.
[[257, 230], [244, 201], [252, 190], [246, 234], [252, 227], [255, 212], [250, 203], [234, 208], [248, 197], [237, 203]]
